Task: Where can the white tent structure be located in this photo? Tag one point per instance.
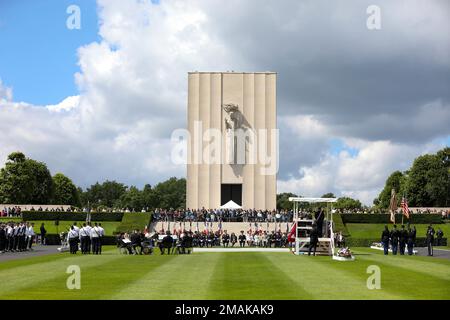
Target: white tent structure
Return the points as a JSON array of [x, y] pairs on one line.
[[231, 205]]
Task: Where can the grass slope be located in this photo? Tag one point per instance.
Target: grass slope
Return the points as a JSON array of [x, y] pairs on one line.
[[225, 276], [133, 220]]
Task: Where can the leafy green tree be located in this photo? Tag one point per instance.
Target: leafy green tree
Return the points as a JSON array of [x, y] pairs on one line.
[[348, 203], [283, 202], [65, 191], [428, 181], [171, 193], [106, 194], [149, 198], [394, 181], [132, 199], [329, 195], [25, 180]]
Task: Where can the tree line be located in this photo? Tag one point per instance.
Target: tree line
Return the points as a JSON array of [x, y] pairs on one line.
[[27, 181], [425, 184]]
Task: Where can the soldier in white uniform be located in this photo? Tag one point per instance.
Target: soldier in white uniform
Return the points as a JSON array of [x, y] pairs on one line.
[[102, 233]]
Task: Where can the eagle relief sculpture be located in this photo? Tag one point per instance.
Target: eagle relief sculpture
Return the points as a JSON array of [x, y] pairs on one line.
[[235, 150], [233, 118]]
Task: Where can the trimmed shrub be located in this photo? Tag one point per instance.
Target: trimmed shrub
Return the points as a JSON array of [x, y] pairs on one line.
[[359, 242], [71, 216], [385, 218]]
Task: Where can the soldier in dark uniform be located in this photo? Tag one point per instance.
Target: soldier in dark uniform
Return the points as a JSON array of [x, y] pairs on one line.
[[242, 239], [430, 239], [2, 238], [439, 236], [385, 236], [394, 240], [403, 238], [225, 238], [313, 239], [410, 241]]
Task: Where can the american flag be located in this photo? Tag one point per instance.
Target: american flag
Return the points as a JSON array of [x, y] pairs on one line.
[[405, 208]]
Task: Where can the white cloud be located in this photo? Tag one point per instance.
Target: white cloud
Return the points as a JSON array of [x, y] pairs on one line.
[[360, 176]]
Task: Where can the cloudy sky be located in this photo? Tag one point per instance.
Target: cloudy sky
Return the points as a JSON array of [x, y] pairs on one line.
[[101, 102]]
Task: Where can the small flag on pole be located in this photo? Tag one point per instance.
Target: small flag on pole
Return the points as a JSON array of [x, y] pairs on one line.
[[393, 205], [405, 208], [291, 235]]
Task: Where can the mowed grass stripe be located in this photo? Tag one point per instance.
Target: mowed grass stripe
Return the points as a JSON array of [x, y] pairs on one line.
[[252, 276], [177, 277], [324, 278], [26, 281], [441, 267], [102, 281]]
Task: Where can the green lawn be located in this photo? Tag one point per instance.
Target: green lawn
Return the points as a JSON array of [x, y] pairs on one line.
[[366, 230], [225, 276]]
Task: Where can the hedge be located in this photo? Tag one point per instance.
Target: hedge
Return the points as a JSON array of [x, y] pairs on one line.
[[385, 218], [71, 216], [359, 242]]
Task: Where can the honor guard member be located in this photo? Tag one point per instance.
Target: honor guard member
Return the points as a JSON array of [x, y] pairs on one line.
[[430, 239], [394, 240], [439, 236], [16, 237], [385, 235], [89, 242], [73, 240], [84, 236], [2, 238], [9, 237], [410, 241], [403, 238], [94, 236], [30, 235], [101, 232]]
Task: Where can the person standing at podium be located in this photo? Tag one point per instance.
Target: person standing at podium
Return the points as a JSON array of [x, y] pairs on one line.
[[313, 239]]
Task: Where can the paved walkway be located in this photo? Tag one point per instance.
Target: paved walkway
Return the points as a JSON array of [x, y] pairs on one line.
[[438, 253], [38, 250]]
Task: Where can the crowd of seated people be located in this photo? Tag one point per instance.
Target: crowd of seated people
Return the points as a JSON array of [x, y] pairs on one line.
[[182, 241], [225, 215]]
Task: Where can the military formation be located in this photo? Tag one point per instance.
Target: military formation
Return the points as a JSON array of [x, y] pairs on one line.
[[16, 237], [403, 240], [87, 238]]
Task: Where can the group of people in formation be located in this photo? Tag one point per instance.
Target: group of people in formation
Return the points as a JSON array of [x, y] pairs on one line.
[[16, 237], [405, 238], [87, 237]]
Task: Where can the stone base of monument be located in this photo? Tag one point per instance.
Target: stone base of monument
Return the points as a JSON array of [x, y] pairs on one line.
[[237, 249]]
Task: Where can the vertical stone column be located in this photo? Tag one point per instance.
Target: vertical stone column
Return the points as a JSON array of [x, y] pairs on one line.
[[248, 188], [193, 115]]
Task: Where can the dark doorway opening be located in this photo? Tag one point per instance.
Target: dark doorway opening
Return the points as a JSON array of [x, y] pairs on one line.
[[231, 192]]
